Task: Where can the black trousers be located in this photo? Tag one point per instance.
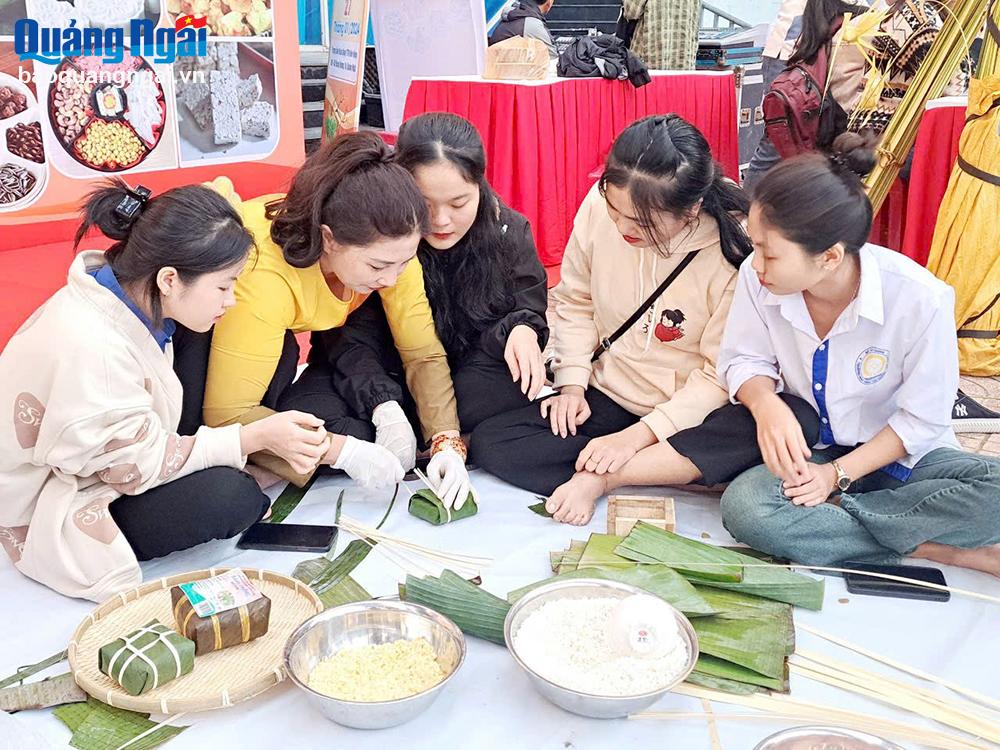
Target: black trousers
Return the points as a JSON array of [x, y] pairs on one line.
[[313, 392], [519, 447], [215, 503]]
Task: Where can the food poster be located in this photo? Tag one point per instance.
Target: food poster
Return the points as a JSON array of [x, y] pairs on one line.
[[70, 117], [346, 72]]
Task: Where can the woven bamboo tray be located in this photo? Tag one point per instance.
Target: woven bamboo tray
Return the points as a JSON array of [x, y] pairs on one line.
[[219, 679]]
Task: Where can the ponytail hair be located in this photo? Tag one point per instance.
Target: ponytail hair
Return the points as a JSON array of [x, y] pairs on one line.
[[818, 21], [191, 229], [352, 186], [666, 164], [818, 201]]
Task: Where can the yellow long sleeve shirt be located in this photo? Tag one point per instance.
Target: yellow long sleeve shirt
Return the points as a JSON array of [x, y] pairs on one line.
[[273, 297]]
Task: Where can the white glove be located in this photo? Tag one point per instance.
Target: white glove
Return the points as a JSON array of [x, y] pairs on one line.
[[449, 478], [369, 465], [394, 433]]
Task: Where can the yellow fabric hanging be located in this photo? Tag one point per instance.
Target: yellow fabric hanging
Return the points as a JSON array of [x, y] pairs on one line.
[[966, 248]]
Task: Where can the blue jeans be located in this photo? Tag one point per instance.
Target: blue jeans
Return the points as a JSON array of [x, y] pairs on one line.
[[766, 155], [951, 498]]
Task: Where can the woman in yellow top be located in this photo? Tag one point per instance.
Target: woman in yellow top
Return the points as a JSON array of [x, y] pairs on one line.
[[349, 226]]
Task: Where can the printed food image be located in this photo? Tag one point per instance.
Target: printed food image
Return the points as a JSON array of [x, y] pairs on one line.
[[12, 102], [93, 13], [23, 168], [227, 17], [15, 183], [25, 140], [226, 101], [108, 117]]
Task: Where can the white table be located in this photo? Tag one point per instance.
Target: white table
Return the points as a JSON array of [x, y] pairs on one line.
[[490, 703]]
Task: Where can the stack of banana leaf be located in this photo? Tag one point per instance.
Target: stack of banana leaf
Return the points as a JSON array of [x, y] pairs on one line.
[[740, 605]]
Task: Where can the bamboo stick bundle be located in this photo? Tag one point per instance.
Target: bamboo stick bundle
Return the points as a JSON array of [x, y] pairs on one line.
[[813, 713], [954, 687], [961, 25], [989, 59], [899, 696]]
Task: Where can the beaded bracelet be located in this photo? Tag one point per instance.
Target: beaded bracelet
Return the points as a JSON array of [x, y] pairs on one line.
[[441, 442]]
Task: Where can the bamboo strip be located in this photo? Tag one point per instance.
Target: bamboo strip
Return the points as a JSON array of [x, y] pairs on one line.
[[713, 730], [954, 687], [899, 700], [827, 714], [352, 525], [860, 722], [412, 559], [962, 706]]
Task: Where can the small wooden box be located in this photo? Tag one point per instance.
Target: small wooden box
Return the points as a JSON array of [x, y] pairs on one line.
[[624, 511]]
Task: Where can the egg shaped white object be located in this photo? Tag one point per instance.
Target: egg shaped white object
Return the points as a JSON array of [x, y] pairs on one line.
[[643, 626]]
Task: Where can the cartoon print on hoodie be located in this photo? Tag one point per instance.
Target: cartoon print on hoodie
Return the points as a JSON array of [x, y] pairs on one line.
[[669, 328]]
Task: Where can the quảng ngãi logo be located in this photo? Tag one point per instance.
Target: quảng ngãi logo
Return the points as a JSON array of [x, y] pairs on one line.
[[162, 44]]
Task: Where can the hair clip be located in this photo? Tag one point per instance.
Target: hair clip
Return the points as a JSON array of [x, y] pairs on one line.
[[133, 203]]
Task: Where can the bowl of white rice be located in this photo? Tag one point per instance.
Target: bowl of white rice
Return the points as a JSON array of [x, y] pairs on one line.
[[599, 648], [374, 664]]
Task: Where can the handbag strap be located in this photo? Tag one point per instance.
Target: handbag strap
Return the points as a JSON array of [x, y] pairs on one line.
[[609, 340]]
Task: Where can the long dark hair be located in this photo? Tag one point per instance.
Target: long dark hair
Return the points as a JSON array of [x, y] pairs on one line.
[[665, 163], [192, 229], [817, 201], [468, 285], [352, 186], [818, 20]]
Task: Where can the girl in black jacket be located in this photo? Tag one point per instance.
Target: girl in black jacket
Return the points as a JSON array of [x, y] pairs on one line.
[[486, 286]]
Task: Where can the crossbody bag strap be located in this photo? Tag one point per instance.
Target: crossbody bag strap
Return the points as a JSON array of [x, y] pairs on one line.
[[608, 341]]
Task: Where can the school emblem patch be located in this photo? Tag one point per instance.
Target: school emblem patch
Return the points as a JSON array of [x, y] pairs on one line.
[[872, 365]]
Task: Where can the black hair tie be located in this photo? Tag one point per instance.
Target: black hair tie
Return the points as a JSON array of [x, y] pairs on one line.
[[133, 203]]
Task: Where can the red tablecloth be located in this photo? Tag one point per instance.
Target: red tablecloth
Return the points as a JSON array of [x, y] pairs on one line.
[[934, 156], [543, 139]]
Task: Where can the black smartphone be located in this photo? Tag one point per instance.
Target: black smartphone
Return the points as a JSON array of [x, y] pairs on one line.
[[872, 586], [288, 537]]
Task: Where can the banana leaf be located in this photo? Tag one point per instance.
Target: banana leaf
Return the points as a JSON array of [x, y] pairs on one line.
[[691, 558], [714, 667], [289, 500], [719, 683], [658, 580], [25, 672], [600, 553], [96, 726], [476, 612], [757, 643], [539, 508], [567, 559], [774, 582], [770, 581], [427, 506], [330, 579]]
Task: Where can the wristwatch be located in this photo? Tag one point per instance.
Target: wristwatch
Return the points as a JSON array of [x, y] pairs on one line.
[[843, 479]]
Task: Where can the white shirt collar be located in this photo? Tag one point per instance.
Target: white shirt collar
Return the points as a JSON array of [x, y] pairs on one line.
[[868, 304]]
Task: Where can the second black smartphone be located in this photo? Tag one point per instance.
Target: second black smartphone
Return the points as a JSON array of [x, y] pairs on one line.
[[857, 583]]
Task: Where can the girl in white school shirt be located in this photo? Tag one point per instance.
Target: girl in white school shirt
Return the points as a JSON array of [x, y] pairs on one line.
[[868, 338], [864, 337]]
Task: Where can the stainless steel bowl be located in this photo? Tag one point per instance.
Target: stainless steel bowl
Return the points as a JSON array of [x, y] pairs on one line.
[[587, 704], [372, 623], [829, 738]]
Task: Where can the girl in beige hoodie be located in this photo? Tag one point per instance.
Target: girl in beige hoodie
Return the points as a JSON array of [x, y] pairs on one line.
[[661, 199], [93, 475]]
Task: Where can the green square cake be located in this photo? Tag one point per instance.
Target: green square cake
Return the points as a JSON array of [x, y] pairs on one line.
[[147, 658]]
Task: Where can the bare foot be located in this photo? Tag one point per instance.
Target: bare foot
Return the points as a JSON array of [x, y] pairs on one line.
[[574, 501], [983, 559]]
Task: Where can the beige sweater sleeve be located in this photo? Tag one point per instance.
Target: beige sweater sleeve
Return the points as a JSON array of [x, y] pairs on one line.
[[702, 392], [575, 334], [108, 428]]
